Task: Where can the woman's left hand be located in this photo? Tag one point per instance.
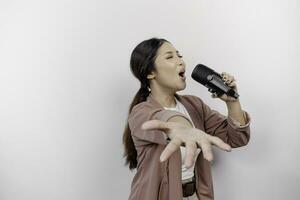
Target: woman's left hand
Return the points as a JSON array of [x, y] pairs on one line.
[[230, 81]]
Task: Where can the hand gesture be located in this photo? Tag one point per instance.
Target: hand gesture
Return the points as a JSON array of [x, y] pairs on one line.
[[192, 138]]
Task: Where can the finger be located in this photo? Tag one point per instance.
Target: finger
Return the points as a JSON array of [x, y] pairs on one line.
[[206, 149], [155, 124], [227, 77], [191, 149], [173, 145], [230, 80], [220, 143], [232, 83], [224, 73], [223, 96]]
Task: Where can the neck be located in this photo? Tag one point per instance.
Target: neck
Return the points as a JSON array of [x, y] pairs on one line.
[[164, 98]]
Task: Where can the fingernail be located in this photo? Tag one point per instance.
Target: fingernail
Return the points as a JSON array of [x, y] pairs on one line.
[[143, 126]]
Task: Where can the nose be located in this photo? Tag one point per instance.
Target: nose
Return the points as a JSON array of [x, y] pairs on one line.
[[181, 62]]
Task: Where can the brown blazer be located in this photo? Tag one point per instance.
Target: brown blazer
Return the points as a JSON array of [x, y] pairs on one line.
[[162, 181]]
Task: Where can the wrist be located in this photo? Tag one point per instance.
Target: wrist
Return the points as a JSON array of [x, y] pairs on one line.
[[230, 104]]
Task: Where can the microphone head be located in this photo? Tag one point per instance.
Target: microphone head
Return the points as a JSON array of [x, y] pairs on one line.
[[201, 72]]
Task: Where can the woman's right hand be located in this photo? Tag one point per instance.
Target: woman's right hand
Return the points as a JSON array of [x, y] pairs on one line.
[[188, 136]]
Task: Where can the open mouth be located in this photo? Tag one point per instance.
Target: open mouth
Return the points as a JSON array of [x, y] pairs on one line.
[[182, 75]]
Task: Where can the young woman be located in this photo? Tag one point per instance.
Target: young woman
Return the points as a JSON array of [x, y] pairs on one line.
[[168, 136]]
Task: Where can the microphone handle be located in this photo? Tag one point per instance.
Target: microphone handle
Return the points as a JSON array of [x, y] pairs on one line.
[[217, 85]]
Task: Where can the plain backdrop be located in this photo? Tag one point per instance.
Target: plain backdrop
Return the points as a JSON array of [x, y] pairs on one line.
[[66, 87]]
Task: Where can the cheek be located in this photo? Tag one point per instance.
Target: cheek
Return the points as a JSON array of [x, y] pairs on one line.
[[169, 70], [167, 74], [168, 77]]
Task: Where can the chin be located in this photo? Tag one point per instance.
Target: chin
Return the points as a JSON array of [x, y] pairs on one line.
[[181, 88]]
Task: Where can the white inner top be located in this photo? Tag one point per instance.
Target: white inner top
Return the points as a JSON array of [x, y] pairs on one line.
[[186, 173]]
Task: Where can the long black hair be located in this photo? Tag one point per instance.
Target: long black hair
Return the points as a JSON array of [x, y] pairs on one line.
[[141, 64]]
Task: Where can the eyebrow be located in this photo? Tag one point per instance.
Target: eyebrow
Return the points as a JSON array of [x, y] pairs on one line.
[[171, 52]]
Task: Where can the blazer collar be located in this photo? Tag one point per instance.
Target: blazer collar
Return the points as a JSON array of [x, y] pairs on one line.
[[158, 105], [188, 106]]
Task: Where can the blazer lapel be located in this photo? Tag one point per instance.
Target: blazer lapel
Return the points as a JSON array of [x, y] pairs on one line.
[[191, 110]]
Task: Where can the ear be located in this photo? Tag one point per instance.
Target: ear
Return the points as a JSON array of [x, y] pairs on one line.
[[151, 76]]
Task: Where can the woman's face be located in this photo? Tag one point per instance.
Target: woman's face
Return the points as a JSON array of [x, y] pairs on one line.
[[170, 68]]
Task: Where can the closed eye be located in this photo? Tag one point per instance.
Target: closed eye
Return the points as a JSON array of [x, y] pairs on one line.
[[172, 57]]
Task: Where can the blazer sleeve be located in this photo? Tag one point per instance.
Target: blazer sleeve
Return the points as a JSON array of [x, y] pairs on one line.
[[226, 128], [139, 115]]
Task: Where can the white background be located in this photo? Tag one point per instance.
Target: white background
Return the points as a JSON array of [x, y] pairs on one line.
[[66, 86]]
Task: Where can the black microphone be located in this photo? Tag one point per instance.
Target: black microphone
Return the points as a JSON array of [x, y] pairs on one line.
[[212, 80]]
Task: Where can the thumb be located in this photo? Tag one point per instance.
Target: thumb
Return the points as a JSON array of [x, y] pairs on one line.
[[155, 124]]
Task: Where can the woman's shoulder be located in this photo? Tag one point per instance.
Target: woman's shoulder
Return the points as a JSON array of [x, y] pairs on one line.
[[144, 108], [145, 105]]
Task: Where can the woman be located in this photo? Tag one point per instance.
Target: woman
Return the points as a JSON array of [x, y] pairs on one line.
[[168, 136]]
